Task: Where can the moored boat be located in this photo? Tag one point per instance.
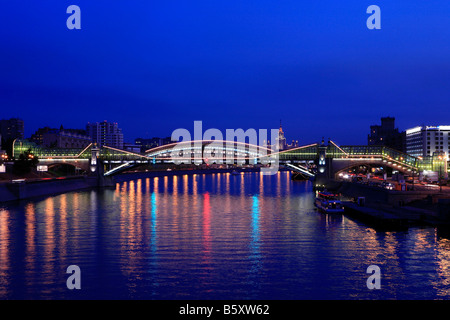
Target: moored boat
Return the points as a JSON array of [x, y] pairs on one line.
[[329, 202]]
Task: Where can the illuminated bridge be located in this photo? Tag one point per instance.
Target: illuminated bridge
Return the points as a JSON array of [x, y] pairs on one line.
[[314, 159], [335, 159]]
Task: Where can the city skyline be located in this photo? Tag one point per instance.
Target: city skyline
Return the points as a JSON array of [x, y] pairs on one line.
[[28, 133]]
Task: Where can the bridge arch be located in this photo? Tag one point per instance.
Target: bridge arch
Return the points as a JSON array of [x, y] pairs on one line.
[[67, 166], [343, 165], [80, 164], [212, 151]]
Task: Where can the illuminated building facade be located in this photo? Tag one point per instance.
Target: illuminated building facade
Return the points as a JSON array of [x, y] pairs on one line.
[[424, 141], [281, 140]]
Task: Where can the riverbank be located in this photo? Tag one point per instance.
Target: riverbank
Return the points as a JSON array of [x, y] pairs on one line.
[[394, 218], [22, 189], [27, 189], [393, 208]]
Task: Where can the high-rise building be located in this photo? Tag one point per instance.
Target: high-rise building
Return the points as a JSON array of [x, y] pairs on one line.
[[424, 141], [9, 131], [12, 129], [387, 135], [105, 134], [281, 140]]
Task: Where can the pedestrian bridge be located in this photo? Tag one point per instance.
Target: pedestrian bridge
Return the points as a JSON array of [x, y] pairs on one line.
[[317, 158]]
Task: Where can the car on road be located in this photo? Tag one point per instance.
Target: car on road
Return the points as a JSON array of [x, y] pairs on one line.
[[388, 185]]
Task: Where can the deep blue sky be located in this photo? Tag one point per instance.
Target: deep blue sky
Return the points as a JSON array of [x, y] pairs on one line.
[[154, 66]]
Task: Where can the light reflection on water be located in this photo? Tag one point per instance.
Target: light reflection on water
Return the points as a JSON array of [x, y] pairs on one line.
[[217, 236]]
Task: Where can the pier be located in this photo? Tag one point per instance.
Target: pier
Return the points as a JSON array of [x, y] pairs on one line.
[[392, 209], [375, 217]]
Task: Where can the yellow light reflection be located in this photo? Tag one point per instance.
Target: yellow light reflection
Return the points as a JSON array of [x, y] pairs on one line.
[[50, 237], [185, 184], [30, 235], [5, 243], [63, 225]]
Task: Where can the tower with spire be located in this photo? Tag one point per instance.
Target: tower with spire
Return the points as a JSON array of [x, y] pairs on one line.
[[281, 139]]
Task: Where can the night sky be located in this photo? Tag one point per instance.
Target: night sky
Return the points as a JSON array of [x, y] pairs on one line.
[[155, 66]]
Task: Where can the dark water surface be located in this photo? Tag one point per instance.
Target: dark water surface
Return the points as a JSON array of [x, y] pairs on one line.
[[216, 236]]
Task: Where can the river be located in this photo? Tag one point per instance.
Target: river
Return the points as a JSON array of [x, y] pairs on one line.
[[211, 236]]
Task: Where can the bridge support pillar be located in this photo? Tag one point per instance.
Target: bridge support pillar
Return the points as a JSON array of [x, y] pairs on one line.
[[95, 153], [323, 167], [323, 178]]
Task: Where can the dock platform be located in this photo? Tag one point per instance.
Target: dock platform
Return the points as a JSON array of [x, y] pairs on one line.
[[375, 217]]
